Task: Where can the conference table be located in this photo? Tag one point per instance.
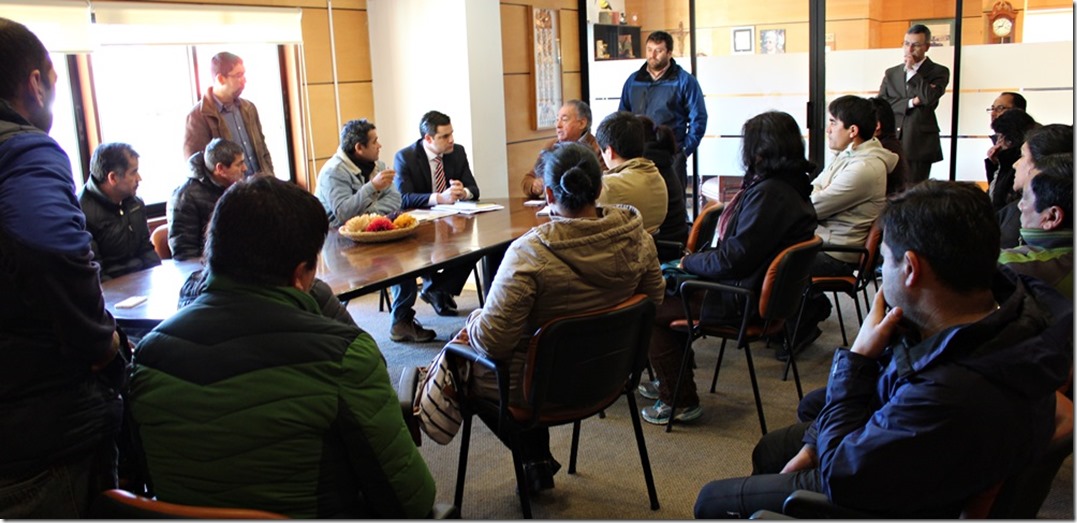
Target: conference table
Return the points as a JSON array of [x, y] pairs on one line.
[[351, 269]]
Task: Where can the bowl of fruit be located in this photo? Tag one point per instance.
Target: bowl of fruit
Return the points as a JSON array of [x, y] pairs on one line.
[[374, 228]]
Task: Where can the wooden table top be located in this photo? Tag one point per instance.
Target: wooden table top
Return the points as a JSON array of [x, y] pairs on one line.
[[351, 269]]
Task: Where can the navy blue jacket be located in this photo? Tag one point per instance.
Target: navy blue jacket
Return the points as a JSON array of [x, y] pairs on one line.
[[414, 179], [936, 421], [53, 322], [675, 100]]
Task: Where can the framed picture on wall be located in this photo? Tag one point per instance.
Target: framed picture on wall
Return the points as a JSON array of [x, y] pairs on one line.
[[546, 49], [772, 41], [941, 29], [743, 39]]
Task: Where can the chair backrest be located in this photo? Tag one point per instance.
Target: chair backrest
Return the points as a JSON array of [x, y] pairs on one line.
[[868, 261], [787, 277], [120, 504], [159, 239], [703, 228], [579, 364]]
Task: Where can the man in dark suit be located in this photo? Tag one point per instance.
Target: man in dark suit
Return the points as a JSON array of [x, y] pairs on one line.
[[434, 170], [913, 90], [417, 172]]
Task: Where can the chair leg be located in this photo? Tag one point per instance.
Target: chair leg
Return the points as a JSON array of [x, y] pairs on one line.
[[575, 447], [478, 287], [718, 366], [641, 444], [755, 389], [383, 300], [650, 372], [841, 320], [859, 314], [685, 362], [521, 480], [461, 468]]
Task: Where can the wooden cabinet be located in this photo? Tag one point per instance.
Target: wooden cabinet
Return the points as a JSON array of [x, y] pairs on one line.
[[617, 42]]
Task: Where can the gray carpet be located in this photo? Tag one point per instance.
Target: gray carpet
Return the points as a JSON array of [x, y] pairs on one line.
[[609, 481]]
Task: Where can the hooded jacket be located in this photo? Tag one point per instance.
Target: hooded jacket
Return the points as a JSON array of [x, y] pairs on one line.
[[190, 208], [564, 266], [121, 235], [851, 194], [935, 421], [53, 322], [638, 183]]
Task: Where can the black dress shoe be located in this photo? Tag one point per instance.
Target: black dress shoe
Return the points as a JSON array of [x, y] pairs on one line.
[[538, 475], [442, 303]]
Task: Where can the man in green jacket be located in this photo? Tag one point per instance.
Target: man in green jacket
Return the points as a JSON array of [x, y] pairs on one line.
[[248, 397]]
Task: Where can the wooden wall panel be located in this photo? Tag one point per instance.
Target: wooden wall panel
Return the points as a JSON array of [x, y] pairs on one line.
[[316, 46], [552, 4], [570, 86], [570, 40], [323, 120], [518, 109], [892, 35], [515, 39], [356, 101], [352, 35]]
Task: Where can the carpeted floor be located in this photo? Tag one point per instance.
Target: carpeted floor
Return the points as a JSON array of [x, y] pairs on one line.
[[609, 481]]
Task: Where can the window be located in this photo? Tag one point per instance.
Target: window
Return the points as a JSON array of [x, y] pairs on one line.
[[64, 130], [144, 93]]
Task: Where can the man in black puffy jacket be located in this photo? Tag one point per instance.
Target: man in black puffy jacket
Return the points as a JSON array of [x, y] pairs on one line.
[[115, 217], [212, 171]]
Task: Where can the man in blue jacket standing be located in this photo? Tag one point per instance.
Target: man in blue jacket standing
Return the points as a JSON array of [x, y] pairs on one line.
[[949, 393], [60, 369], [667, 94]]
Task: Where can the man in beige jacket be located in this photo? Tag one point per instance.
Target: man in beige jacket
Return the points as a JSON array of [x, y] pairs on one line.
[[848, 196], [631, 179]]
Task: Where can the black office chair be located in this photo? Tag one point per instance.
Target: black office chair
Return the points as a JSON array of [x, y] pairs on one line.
[[778, 300], [857, 284], [578, 365]]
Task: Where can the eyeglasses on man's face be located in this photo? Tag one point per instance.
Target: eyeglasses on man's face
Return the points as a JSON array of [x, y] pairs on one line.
[[998, 109]]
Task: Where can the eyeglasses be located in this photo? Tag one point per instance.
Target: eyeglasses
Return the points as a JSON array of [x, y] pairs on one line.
[[914, 45], [998, 109]]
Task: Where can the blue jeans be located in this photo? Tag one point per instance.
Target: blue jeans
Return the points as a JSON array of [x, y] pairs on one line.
[[61, 491]]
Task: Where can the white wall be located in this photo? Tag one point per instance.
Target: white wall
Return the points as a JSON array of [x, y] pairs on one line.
[[441, 55]]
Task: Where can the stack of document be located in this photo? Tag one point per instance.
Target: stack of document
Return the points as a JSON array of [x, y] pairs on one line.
[[468, 207]]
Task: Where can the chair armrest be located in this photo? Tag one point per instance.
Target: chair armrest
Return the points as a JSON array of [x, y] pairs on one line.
[[689, 287], [467, 353], [405, 393], [669, 250], [501, 371], [806, 504], [829, 247]]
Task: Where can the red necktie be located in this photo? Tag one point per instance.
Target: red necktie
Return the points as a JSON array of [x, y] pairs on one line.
[[439, 175]]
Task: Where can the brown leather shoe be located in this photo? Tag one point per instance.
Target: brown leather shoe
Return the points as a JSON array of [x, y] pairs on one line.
[[410, 331]]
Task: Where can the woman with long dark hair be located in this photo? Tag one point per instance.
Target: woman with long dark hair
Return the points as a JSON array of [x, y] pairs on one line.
[[771, 212]]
